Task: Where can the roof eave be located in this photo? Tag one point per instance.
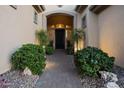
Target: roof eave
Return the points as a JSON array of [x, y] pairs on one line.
[[80, 8], [39, 8], [97, 9]]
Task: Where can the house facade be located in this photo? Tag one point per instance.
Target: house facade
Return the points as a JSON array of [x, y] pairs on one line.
[[103, 26]]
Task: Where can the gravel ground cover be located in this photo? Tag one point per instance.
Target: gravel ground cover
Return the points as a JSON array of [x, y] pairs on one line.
[[91, 82], [15, 79], [120, 74]]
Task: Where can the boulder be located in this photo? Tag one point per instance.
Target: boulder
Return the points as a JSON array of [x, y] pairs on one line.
[[111, 85], [110, 79], [108, 76], [27, 71]]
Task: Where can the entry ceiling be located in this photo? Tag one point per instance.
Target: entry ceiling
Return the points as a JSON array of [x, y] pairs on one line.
[[57, 19], [56, 7]]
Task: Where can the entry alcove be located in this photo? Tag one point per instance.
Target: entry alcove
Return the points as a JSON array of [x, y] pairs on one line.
[[59, 27]]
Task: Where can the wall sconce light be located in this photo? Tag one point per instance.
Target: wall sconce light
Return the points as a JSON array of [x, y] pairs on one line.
[[52, 26], [67, 26], [60, 26]]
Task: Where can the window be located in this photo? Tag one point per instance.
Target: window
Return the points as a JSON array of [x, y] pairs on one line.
[[84, 22], [35, 17]]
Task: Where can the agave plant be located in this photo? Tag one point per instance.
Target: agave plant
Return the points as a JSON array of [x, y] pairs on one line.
[[77, 35]]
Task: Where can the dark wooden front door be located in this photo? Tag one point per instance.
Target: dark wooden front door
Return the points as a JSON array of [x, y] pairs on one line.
[[60, 38]]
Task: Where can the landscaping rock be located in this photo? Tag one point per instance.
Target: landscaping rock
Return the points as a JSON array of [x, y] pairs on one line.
[[111, 85], [27, 71], [110, 79], [108, 76]]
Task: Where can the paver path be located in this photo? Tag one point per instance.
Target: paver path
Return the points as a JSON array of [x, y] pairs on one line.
[[60, 72]]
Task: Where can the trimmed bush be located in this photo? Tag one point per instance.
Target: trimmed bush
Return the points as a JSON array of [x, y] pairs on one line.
[[49, 50], [31, 56], [91, 60]]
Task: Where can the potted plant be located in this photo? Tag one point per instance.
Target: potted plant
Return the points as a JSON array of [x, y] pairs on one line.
[[70, 48]]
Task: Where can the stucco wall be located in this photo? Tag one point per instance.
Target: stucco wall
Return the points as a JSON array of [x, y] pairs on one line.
[[91, 29], [16, 28], [111, 28], [78, 21]]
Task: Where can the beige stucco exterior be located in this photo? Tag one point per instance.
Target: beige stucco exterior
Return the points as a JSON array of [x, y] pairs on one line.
[[91, 29], [111, 32], [16, 28]]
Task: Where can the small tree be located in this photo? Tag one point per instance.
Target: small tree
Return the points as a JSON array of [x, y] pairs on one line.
[[77, 35], [42, 37]]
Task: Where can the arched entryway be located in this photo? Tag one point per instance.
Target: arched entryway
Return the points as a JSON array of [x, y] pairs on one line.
[[59, 26]]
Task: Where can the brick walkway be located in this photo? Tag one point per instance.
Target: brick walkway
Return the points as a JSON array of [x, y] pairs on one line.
[[60, 72]]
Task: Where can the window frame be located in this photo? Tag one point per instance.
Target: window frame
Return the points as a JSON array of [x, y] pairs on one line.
[[84, 21], [35, 19]]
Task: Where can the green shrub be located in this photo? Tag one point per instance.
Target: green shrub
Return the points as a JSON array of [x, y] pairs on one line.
[[91, 60], [49, 50], [69, 49], [31, 56], [50, 43]]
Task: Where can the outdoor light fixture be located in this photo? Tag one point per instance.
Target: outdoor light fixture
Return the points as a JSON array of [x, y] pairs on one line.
[[67, 26], [60, 26], [59, 5], [52, 26]]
